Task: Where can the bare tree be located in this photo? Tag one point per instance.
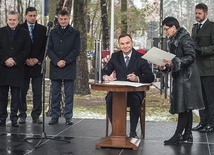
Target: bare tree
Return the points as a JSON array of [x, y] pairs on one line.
[[93, 19], [124, 27], [80, 10], [105, 26], [20, 10], [62, 5], [5, 9]]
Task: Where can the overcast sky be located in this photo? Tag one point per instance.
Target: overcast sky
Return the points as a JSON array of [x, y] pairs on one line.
[[138, 3]]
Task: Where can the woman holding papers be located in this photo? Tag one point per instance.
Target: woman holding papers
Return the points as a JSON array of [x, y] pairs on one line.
[[186, 92]]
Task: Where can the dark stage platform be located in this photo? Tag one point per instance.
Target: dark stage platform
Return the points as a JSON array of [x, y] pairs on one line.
[[85, 133]]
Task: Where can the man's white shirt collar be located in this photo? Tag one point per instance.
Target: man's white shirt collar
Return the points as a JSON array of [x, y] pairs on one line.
[[130, 54], [202, 22]]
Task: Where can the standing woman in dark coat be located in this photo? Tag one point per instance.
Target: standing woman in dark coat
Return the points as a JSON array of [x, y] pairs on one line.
[[186, 91]]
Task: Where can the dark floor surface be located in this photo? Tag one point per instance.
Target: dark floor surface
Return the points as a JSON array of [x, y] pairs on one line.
[[84, 135]]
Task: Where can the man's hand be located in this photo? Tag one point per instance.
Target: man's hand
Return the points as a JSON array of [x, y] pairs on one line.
[[107, 78], [61, 64], [35, 60], [198, 50], [10, 62], [29, 62], [133, 77]]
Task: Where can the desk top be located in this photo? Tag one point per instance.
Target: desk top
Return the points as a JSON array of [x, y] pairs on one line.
[[119, 88]]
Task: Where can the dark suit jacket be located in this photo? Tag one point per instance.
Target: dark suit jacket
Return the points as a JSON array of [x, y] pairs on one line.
[[63, 47], [37, 49], [137, 65], [17, 48], [205, 40]]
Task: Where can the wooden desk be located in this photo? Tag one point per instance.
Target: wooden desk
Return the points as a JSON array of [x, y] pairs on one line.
[[118, 137]]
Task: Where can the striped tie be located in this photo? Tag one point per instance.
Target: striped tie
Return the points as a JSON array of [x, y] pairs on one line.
[[127, 60], [31, 32]]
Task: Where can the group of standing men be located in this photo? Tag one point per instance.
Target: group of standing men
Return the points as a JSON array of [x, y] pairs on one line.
[[22, 51]]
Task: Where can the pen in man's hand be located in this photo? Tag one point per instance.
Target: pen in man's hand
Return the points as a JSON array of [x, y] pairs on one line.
[[129, 75]]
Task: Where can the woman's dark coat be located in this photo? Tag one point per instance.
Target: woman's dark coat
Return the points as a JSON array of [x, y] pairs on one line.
[[186, 91], [63, 46]]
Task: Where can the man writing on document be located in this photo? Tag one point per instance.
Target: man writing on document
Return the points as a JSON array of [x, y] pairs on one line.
[[129, 66]]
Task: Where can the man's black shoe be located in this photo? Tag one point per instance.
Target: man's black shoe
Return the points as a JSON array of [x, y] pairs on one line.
[[22, 121], [69, 121], [198, 127], [187, 137], [53, 121], [37, 121], [208, 128], [2, 122], [15, 124], [133, 134]]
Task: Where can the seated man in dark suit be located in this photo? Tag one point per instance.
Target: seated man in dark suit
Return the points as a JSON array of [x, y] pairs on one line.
[[129, 66]]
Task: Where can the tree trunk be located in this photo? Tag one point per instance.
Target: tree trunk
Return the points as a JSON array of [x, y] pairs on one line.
[[52, 10], [105, 27], [62, 5], [124, 26], [20, 10], [82, 84]]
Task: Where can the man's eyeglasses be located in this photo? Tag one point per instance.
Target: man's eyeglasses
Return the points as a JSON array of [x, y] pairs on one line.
[[166, 29]]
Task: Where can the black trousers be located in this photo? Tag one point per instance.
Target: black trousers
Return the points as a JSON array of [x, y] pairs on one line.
[[207, 114], [15, 101], [134, 101], [37, 97]]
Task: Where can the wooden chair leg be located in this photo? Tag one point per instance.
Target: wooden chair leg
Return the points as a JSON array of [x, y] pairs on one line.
[[143, 119], [107, 121]]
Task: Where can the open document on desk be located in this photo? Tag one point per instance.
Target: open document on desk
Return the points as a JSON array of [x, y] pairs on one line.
[[127, 83], [156, 56]]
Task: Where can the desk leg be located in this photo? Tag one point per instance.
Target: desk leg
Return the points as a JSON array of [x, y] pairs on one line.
[[118, 138], [119, 104]]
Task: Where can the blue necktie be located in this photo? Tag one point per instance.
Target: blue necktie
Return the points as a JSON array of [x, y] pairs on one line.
[[31, 32], [127, 60]]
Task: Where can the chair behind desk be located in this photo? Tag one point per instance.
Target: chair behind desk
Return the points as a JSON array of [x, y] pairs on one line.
[[142, 117]]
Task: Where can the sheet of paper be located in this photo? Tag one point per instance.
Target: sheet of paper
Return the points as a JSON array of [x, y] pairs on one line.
[[156, 56], [127, 83]]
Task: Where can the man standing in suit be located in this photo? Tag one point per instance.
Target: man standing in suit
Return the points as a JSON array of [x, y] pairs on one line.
[[33, 66], [63, 50], [129, 66], [14, 50], [203, 35]]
